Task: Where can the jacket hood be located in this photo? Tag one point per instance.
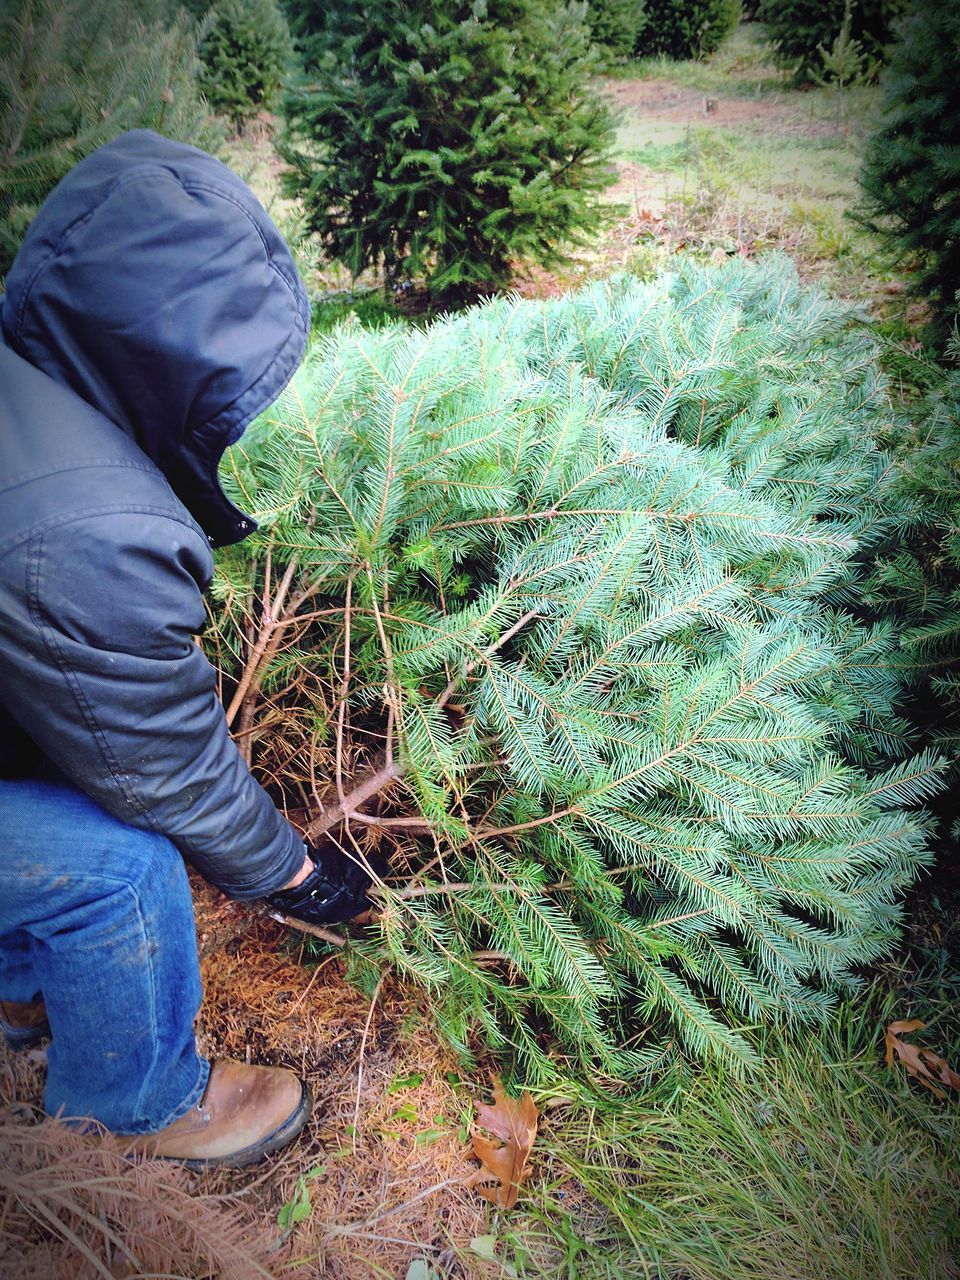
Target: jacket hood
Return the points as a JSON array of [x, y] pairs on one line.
[[155, 286]]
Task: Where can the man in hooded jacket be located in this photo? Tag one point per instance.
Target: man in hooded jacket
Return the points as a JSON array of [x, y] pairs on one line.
[[152, 312]]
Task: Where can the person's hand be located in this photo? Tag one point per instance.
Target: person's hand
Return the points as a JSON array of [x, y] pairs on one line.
[[328, 889]]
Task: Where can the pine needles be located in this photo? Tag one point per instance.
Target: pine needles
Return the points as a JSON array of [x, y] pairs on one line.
[[580, 583], [74, 75], [70, 1207]]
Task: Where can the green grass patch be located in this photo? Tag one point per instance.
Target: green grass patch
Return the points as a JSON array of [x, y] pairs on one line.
[[829, 1165], [763, 171], [371, 308], [743, 65], [780, 174]]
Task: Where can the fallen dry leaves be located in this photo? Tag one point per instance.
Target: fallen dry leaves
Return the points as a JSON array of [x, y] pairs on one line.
[[513, 1122], [920, 1063]]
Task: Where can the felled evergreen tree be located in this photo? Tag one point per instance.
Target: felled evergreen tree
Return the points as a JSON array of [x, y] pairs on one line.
[[445, 140], [76, 73], [558, 604], [910, 178]]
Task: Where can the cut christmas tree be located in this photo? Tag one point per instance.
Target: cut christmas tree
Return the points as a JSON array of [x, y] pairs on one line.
[[556, 609]]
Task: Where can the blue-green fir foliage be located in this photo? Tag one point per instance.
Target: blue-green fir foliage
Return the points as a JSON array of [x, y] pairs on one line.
[[602, 561]]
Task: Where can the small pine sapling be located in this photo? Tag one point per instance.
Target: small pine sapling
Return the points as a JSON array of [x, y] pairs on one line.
[[246, 51], [843, 64], [802, 29]]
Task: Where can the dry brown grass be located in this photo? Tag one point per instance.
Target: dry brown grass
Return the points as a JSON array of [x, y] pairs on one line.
[[394, 1156], [72, 1210]]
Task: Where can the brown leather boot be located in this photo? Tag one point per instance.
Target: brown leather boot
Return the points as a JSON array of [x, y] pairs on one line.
[[23, 1025], [245, 1113]]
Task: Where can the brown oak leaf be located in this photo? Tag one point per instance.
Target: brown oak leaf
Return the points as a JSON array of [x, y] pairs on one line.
[[920, 1063], [513, 1123]]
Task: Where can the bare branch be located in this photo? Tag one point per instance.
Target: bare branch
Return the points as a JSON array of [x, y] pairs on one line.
[[315, 930], [367, 789], [487, 653], [344, 690], [262, 650]]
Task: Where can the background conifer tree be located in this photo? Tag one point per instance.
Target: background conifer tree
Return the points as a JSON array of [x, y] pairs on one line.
[[76, 73], [916, 577], [910, 178], [246, 52], [685, 28], [799, 30], [446, 140], [616, 25], [572, 593]]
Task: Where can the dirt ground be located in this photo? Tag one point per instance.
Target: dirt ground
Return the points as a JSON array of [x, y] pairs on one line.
[[735, 163], [666, 101], [391, 1117]]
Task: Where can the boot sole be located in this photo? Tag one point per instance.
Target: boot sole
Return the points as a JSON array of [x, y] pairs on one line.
[[259, 1150], [18, 1038]]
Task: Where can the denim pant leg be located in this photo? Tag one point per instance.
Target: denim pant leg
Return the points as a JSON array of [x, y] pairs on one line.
[[17, 980], [97, 915]]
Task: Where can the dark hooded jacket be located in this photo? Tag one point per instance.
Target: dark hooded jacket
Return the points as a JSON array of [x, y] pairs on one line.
[[151, 313]]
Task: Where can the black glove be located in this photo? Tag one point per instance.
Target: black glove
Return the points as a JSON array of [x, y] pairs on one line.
[[334, 891]]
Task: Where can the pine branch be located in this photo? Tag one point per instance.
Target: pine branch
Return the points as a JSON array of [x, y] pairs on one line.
[[373, 785]]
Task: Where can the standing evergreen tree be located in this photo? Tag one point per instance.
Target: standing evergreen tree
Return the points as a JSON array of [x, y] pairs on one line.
[[800, 29], [616, 25], [246, 52], [446, 138], [916, 577], [76, 73], [556, 604], [683, 29], [910, 178]]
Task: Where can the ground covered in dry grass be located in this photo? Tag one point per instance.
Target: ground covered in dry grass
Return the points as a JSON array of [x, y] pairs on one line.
[[829, 1165], [386, 1156]]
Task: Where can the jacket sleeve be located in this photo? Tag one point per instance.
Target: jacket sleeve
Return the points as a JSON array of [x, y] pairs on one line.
[[116, 692]]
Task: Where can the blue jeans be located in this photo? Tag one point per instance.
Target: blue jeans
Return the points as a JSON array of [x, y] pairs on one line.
[[97, 917]]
